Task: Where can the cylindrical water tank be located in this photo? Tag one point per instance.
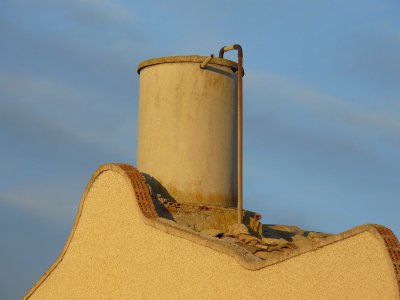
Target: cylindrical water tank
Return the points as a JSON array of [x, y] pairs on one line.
[[187, 143]]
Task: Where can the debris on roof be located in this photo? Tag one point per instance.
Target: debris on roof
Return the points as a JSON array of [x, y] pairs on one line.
[[262, 240]]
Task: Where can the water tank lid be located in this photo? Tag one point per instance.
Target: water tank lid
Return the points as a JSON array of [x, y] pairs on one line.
[[191, 59]]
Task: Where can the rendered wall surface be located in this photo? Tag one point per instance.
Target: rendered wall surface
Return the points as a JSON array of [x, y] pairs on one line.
[[113, 254], [188, 118]]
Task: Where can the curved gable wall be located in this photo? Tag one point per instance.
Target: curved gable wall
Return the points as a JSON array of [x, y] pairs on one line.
[[113, 253]]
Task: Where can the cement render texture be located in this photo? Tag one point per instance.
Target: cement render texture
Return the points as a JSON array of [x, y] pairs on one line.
[[187, 129], [113, 254]]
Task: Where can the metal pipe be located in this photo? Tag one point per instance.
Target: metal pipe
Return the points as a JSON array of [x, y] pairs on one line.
[[229, 48], [240, 124], [206, 62]]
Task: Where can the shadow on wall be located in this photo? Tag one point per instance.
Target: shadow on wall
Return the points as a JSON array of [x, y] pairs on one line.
[[157, 191], [157, 188], [273, 233], [222, 72]]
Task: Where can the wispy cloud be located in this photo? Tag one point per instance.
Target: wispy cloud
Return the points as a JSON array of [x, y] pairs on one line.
[[306, 142], [64, 107], [99, 51], [375, 55], [334, 108], [103, 10], [88, 11], [54, 203]]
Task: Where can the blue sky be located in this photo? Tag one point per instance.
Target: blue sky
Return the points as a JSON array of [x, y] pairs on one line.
[[321, 101]]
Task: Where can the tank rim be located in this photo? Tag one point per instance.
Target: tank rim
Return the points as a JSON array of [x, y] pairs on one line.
[[190, 59]]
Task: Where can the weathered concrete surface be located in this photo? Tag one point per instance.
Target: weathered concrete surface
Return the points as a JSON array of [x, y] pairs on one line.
[[187, 130], [112, 253]]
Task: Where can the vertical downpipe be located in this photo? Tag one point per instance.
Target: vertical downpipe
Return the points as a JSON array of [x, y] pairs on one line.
[[240, 124]]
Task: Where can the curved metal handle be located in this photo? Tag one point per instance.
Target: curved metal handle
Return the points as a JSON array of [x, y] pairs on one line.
[[229, 48], [204, 64]]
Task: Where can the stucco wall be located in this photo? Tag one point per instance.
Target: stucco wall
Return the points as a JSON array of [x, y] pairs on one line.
[[114, 254]]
